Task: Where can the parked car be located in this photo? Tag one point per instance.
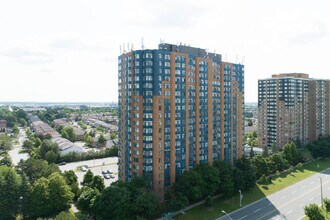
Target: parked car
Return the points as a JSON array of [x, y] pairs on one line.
[[104, 172], [109, 172], [112, 176], [84, 169], [106, 176], [62, 163]]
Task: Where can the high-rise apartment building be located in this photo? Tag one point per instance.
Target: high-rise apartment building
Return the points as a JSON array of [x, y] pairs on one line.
[[319, 108], [179, 106], [292, 107]]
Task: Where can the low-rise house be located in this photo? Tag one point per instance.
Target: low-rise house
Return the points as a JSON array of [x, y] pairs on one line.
[[79, 131], [59, 122], [65, 146], [42, 129]]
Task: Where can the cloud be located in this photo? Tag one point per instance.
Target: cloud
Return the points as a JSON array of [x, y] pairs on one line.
[[27, 56], [75, 43], [316, 32]]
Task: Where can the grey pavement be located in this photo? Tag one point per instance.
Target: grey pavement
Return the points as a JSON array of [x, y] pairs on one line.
[[14, 153], [288, 203], [96, 166]]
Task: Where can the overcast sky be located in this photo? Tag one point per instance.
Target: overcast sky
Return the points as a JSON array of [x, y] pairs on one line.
[[66, 50]]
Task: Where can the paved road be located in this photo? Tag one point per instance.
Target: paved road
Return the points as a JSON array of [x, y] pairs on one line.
[[288, 203], [96, 166], [14, 153]]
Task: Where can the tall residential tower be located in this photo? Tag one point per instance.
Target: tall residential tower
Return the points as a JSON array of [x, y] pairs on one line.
[[292, 107], [179, 106]]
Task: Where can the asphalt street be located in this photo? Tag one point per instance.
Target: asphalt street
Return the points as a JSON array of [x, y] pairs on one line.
[[14, 153], [288, 203]]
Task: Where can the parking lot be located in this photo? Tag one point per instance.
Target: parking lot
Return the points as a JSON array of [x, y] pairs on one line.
[[96, 166]]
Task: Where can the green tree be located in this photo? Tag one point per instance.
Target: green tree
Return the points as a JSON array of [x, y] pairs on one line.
[[65, 135], [65, 216], [40, 198], [70, 177], [145, 204], [28, 144], [6, 161], [113, 203], [102, 140], [210, 176], [97, 183], [314, 212], [191, 185], [5, 143], [88, 139], [244, 174], [71, 133], [261, 165], [280, 162], [100, 128], [226, 185], [51, 157], [25, 190], [9, 193], [326, 202], [87, 199], [15, 130], [60, 195], [290, 153], [35, 168], [88, 178]]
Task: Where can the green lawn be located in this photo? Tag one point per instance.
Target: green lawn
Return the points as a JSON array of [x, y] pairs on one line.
[[282, 181]]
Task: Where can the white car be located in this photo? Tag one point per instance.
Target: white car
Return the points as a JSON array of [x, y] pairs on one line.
[[84, 169]]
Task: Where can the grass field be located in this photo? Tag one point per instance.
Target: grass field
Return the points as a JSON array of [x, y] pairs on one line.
[[279, 182]]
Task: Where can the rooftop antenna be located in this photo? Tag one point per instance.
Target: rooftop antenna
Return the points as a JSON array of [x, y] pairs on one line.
[[207, 53], [142, 45], [120, 49], [124, 51], [132, 47]]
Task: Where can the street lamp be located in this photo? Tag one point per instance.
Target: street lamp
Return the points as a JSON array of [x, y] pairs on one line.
[[240, 198], [223, 211], [321, 191]]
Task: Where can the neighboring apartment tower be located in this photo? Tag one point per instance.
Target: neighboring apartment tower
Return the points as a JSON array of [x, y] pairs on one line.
[[319, 108], [179, 106], [290, 108]]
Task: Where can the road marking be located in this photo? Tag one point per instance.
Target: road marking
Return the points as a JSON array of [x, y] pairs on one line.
[[283, 205], [289, 212], [302, 204], [243, 217], [257, 210], [293, 192]]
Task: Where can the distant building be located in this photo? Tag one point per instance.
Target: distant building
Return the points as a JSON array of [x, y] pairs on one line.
[[179, 106], [250, 129], [61, 121], [292, 107], [65, 146], [3, 125]]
